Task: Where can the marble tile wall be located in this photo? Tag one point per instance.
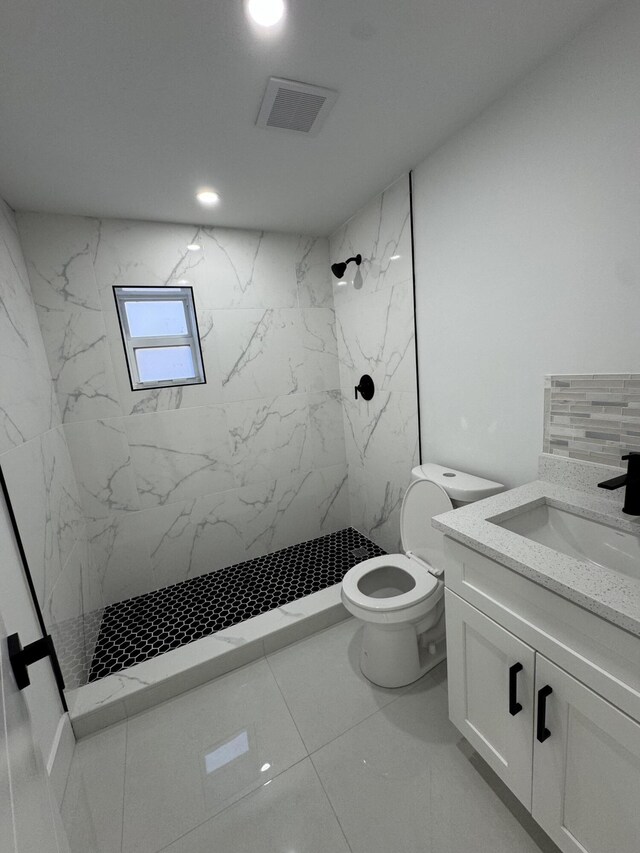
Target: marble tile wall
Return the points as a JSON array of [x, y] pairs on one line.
[[177, 482], [593, 417], [37, 467], [375, 327]]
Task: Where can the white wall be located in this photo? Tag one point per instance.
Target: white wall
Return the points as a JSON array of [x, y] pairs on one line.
[[527, 251]]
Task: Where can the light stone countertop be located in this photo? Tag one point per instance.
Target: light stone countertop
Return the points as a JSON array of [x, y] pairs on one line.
[[609, 594]]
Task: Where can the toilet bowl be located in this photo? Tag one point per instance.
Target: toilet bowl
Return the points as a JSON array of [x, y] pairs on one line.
[[400, 597]]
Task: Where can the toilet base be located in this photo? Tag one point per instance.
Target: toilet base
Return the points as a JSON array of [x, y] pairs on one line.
[[391, 656]]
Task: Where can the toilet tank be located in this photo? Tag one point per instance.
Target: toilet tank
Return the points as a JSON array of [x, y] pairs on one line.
[[462, 488]]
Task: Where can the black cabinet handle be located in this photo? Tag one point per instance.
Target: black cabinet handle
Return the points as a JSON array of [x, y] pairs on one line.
[[542, 732], [514, 706]]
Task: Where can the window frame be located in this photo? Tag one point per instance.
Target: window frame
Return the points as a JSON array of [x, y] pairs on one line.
[[154, 293]]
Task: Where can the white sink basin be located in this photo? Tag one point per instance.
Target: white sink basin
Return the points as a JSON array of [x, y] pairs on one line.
[[578, 537]]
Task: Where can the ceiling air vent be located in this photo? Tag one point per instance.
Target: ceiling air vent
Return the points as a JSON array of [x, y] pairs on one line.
[[289, 105]]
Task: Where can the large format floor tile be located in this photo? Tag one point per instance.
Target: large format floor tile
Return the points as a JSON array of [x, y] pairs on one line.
[[402, 781], [290, 813], [322, 684], [192, 756], [224, 768]]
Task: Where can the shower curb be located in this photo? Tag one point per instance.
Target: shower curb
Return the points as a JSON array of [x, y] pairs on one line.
[[117, 697]]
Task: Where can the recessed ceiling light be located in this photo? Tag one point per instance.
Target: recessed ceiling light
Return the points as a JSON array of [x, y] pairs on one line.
[[208, 197], [266, 13], [394, 257], [340, 283], [194, 247]]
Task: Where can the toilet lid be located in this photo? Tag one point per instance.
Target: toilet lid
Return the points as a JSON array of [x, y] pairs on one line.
[[423, 499]]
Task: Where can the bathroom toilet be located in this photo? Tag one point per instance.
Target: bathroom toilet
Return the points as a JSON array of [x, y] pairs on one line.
[[400, 597]]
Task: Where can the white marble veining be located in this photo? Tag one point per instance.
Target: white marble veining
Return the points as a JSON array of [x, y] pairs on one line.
[[233, 269], [320, 349], [268, 437], [60, 252], [381, 233], [44, 496], [136, 552], [375, 331], [381, 438], [101, 460], [247, 269], [179, 454], [375, 503], [45, 501], [178, 481], [121, 556], [260, 352], [34, 454], [330, 487], [606, 593], [313, 275], [382, 435], [383, 338], [73, 612], [325, 421], [190, 538], [28, 406]]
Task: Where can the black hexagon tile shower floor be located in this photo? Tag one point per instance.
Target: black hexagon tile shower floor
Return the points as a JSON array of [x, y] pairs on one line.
[[140, 628]]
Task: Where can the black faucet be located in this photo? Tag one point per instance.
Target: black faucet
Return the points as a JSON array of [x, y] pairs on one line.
[[631, 480]]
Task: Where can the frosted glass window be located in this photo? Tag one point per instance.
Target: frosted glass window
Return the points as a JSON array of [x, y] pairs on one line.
[[156, 364], [156, 319], [160, 336]]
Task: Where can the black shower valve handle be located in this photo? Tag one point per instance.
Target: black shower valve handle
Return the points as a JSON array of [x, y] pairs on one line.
[[366, 388]]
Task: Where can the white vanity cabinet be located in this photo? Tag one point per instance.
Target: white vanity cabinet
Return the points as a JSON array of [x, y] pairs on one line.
[[539, 704], [586, 774], [491, 688]]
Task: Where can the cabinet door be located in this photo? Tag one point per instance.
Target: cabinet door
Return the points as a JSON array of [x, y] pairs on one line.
[[491, 680], [586, 780]]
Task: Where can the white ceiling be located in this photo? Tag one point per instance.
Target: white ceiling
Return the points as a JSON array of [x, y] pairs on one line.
[[126, 107]]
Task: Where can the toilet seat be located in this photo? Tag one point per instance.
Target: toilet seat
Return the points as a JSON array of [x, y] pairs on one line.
[[424, 554], [425, 584]]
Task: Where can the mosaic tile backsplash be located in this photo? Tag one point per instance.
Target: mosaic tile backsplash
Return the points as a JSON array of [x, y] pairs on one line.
[[593, 417]]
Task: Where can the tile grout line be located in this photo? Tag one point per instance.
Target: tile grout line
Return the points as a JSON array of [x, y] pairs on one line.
[[226, 808], [342, 830], [244, 796], [286, 704], [403, 691]]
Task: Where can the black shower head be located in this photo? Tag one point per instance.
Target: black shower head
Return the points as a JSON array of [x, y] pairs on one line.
[[339, 269]]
